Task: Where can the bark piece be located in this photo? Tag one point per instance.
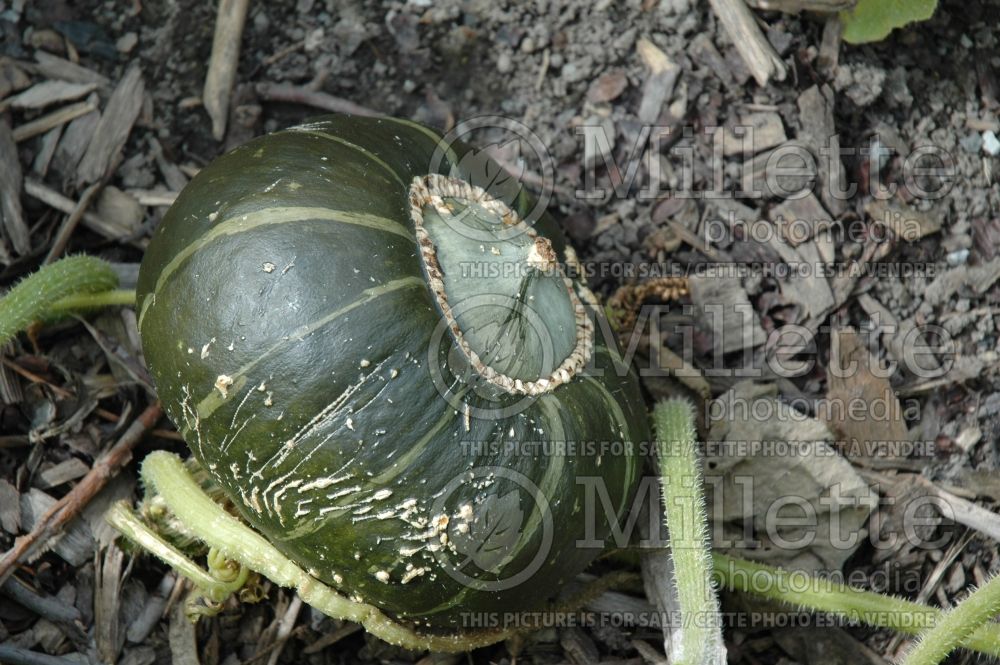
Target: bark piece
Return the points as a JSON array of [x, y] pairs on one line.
[[75, 140], [724, 309], [800, 219], [54, 119], [46, 150], [46, 93], [746, 35], [819, 132], [659, 85], [10, 508], [12, 78], [54, 67], [908, 223], [114, 127], [12, 215], [755, 132]]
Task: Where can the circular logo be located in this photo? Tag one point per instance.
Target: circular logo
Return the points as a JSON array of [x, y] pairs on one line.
[[486, 535], [462, 381], [507, 150]]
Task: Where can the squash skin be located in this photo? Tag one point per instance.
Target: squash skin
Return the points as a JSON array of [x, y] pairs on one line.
[[308, 316]]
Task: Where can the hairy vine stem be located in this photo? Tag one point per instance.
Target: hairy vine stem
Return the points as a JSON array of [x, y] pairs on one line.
[[33, 298], [802, 590], [699, 639], [957, 625]]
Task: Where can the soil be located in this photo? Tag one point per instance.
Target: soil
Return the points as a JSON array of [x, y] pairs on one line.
[[561, 68]]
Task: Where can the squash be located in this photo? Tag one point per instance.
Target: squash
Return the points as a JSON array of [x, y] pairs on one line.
[[378, 350]]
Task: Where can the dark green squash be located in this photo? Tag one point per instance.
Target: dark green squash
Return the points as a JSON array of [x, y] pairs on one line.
[[419, 452]]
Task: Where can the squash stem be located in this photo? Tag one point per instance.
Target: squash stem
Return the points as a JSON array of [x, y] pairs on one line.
[[33, 297], [698, 641], [165, 474], [78, 301], [123, 518], [802, 590]]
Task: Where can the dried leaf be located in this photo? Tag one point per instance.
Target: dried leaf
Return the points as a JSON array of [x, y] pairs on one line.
[[862, 407], [772, 477]]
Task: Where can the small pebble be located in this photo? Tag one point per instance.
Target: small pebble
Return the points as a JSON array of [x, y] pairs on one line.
[[990, 143], [957, 258], [127, 42], [504, 63]]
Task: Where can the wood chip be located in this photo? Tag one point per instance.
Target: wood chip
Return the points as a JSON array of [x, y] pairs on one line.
[[63, 472], [800, 219], [46, 150], [904, 341], [979, 279], [14, 226], [56, 200], [181, 635], [787, 169], [54, 119], [114, 127], [75, 544], [120, 210], [54, 67], [12, 78], [172, 173], [703, 52], [754, 133], [758, 54], [578, 646], [46, 93], [809, 288], [229, 22], [107, 601], [75, 140], [908, 223], [659, 85], [154, 198], [819, 132], [828, 57], [724, 309], [10, 508]]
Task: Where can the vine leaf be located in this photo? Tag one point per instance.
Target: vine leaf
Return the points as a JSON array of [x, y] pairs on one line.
[[873, 20], [493, 532]]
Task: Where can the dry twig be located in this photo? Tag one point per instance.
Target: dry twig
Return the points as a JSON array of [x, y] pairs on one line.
[[288, 93], [222, 64], [105, 468]]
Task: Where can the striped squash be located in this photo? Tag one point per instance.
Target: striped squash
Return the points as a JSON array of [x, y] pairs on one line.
[[387, 369]]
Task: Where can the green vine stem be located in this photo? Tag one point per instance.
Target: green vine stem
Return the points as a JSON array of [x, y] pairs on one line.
[[33, 297], [699, 639], [802, 590], [166, 474], [79, 301], [956, 625]]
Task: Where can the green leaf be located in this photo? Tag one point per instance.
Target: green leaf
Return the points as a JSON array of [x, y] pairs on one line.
[[873, 20]]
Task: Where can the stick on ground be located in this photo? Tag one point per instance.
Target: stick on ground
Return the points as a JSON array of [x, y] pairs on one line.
[[223, 62], [105, 468]]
